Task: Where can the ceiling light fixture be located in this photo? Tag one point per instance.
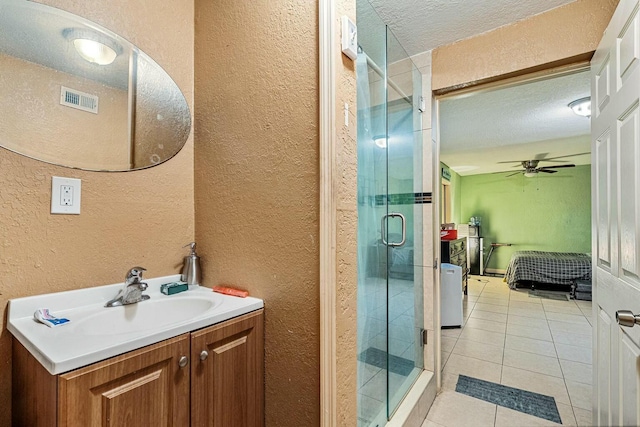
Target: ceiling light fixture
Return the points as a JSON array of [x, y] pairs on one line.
[[530, 174], [94, 51], [582, 106], [94, 47], [380, 141]]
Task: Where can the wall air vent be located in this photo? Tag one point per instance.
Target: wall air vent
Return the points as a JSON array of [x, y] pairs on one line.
[[80, 100]]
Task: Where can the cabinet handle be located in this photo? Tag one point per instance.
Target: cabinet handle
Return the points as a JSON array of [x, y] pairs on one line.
[[184, 361], [203, 355]]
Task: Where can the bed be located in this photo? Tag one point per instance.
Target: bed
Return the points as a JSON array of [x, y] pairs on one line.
[[528, 268]]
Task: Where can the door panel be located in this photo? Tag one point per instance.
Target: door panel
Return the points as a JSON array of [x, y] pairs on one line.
[[143, 387], [602, 199], [603, 391], [628, 47], [628, 380], [227, 373], [404, 179], [601, 94], [616, 217], [628, 145]]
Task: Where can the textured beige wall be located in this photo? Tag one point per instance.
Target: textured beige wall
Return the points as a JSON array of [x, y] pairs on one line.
[[131, 218], [347, 228], [257, 181], [35, 124], [569, 31]]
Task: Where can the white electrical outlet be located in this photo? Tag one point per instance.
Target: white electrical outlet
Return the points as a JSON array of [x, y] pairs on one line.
[[65, 195]]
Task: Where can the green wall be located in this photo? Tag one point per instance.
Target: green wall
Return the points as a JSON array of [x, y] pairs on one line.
[[549, 212]]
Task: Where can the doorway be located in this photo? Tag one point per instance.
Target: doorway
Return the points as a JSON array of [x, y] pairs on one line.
[[486, 137], [515, 338]]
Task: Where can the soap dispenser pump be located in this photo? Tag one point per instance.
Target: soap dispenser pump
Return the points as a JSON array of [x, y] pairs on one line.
[[191, 273]]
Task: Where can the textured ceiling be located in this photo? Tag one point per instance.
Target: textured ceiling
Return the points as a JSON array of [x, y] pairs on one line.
[[525, 122], [522, 122], [422, 25]]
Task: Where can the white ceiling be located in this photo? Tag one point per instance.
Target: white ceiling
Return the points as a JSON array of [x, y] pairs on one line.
[[422, 25], [524, 122]]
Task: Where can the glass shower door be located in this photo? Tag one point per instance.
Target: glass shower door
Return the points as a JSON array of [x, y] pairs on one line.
[[404, 176], [390, 294], [372, 207]]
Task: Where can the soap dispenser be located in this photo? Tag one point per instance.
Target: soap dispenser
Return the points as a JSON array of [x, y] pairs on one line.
[[191, 273]]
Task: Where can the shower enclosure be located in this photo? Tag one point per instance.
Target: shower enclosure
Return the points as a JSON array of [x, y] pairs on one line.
[[390, 244]]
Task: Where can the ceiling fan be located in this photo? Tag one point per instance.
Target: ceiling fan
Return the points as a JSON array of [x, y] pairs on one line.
[[531, 169]]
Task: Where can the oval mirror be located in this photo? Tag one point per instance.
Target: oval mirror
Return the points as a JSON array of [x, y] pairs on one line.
[[75, 94]]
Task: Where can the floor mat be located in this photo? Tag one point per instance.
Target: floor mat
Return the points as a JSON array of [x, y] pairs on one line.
[[535, 404], [378, 358], [559, 296]]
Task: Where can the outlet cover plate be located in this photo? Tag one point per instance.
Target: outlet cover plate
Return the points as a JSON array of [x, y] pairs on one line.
[[65, 195]]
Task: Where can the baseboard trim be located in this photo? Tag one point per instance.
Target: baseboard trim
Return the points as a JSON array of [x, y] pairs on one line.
[[495, 271]]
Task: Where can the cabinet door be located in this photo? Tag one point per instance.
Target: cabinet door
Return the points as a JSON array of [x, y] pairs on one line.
[[146, 387], [227, 373]]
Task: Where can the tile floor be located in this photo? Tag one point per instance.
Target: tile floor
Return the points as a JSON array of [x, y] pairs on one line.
[[511, 338]]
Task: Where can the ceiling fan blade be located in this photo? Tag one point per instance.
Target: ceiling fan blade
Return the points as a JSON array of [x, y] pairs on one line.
[[540, 156], [562, 157], [553, 160], [513, 161], [557, 167], [547, 171], [515, 173]]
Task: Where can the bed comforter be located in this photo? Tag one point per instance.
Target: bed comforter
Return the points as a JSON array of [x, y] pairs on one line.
[[548, 267]]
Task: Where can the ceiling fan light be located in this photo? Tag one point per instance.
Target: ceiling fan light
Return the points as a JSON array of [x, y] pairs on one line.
[[530, 174], [582, 106]]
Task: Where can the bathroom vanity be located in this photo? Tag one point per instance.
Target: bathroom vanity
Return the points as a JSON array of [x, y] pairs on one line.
[[206, 375]]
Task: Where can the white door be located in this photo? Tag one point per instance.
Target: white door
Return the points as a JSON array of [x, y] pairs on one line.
[[615, 130]]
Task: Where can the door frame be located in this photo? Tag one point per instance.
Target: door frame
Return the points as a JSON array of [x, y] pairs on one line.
[[520, 77], [328, 214]]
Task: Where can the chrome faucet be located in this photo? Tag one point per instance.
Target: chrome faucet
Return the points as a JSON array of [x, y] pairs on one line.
[[131, 292]]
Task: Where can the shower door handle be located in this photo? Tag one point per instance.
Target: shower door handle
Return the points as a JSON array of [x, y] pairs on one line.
[[383, 229]]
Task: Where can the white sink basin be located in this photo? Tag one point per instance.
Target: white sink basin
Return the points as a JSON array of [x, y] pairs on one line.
[[143, 316], [96, 333]]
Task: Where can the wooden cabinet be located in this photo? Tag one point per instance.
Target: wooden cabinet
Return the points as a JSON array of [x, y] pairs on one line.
[[146, 387], [227, 374], [455, 252], [210, 377]]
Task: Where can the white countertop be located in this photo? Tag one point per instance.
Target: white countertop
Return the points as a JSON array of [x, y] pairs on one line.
[[96, 333]]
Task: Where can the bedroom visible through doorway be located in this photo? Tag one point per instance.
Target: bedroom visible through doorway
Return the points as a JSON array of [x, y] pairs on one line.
[[520, 181], [518, 161]]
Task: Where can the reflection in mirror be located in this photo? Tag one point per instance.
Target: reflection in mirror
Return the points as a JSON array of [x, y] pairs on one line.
[[75, 94]]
